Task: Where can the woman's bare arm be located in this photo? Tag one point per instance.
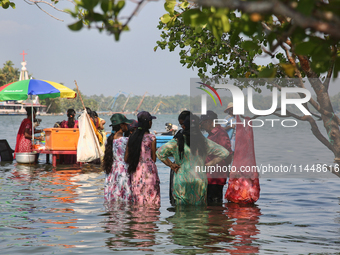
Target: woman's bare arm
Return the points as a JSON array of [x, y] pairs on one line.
[[126, 156], [153, 150]]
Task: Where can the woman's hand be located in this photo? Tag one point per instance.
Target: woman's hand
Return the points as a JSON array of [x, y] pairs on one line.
[[175, 167], [214, 161], [40, 138]]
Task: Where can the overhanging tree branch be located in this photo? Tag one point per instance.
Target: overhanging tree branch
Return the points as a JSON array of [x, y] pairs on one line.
[[277, 8]]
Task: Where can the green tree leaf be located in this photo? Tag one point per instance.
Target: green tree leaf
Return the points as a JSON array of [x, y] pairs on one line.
[[268, 72], [289, 69], [169, 6], [165, 18], [305, 48], [250, 45], [76, 26]]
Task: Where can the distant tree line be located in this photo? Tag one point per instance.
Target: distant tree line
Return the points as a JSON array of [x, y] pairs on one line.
[[169, 105], [172, 104]]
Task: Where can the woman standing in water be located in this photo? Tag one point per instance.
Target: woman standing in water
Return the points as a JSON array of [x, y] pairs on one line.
[[189, 150], [95, 125], [141, 157], [117, 181], [24, 136], [71, 122]]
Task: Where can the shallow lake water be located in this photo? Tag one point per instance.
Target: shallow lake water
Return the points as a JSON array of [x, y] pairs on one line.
[[45, 210]]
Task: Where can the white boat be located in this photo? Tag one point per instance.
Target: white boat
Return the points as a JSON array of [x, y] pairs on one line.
[[18, 108], [12, 108]]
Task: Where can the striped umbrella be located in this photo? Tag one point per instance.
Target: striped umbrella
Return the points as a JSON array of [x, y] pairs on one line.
[[22, 90]]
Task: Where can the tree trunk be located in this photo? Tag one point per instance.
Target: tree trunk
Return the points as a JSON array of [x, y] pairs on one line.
[[330, 124]]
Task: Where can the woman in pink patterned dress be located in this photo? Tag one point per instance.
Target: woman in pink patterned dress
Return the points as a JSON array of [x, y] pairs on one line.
[[117, 181], [141, 157]]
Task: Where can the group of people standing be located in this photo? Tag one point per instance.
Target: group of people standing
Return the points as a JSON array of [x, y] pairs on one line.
[[129, 161], [130, 156], [26, 130], [131, 172]]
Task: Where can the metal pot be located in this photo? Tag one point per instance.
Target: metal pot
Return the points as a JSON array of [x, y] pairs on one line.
[[25, 157]]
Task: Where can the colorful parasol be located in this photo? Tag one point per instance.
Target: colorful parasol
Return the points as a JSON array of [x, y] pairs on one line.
[[25, 89], [22, 90]]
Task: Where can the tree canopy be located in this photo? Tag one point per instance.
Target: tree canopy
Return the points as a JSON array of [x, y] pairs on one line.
[[225, 39], [9, 73]]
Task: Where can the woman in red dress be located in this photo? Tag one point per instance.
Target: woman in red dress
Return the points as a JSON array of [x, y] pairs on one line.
[[24, 137]]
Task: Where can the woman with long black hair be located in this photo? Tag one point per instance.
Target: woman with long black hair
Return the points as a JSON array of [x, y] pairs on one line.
[[141, 157], [117, 181], [189, 149], [71, 122]]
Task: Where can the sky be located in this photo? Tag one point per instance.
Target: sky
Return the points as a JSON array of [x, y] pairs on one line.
[[98, 63]]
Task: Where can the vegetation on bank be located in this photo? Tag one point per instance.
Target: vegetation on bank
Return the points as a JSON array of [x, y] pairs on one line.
[[172, 104], [169, 105]]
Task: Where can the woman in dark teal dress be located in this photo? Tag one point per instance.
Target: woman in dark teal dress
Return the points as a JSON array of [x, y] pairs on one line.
[[190, 180]]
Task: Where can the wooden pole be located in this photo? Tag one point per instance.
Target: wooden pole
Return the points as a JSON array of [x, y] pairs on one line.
[[81, 99]]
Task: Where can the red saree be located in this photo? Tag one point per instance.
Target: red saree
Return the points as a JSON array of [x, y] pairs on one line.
[[243, 186], [23, 144]]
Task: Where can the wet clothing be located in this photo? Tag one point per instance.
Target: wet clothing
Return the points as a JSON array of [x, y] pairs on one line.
[[219, 136], [190, 182], [218, 179], [117, 182], [23, 144], [145, 181], [215, 194]]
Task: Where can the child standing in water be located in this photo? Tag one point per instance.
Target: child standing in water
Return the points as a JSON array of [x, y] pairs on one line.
[[117, 181], [141, 157]]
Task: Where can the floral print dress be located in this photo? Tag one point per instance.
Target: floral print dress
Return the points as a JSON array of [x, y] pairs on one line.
[[145, 181], [117, 183]]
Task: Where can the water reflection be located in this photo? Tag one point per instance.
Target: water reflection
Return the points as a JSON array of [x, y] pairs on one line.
[[244, 228], [23, 174], [189, 228], [131, 226], [215, 229], [61, 185]]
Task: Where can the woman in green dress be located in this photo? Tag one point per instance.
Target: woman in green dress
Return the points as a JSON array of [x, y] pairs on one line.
[[190, 179]]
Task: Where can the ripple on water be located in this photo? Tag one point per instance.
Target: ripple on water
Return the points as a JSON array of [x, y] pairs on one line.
[[45, 210]]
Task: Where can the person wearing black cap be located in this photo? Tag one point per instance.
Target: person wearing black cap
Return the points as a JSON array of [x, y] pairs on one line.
[[140, 154], [117, 181], [217, 134]]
